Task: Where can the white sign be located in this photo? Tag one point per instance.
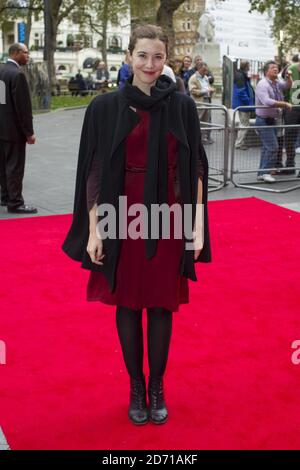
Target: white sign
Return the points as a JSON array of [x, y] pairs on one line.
[[242, 34]]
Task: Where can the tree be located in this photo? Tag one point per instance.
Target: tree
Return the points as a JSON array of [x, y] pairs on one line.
[[286, 18], [32, 6], [98, 13], [12, 10], [159, 12], [54, 12], [164, 19], [9, 11], [143, 12]]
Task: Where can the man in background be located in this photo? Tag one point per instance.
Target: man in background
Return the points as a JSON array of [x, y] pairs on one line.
[[16, 130], [243, 95], [201, 92]]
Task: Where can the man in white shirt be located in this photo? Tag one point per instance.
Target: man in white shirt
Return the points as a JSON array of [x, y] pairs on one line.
[[201, 91]]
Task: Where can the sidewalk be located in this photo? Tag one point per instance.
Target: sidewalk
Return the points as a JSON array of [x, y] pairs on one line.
[[3, 443], [50, 170]]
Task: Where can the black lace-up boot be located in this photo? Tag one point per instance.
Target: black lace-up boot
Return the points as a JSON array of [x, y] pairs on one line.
[[158, 412], [138, 412]]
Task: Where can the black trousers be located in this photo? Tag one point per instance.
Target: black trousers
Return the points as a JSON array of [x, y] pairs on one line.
[[12, 166], [291, 118]]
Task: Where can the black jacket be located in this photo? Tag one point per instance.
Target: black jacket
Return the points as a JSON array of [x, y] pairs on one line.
[[16, 114], [108, 120]]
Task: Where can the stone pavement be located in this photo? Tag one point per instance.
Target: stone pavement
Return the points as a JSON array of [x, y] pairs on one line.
[[50, 170], [3, 443]]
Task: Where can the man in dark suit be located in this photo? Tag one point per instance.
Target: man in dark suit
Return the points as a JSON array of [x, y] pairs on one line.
[[15, 130]]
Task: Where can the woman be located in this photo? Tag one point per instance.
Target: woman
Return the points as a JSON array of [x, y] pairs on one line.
[[142, 142]]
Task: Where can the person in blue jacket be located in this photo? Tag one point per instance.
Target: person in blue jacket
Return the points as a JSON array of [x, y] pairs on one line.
[[124, 73], [243, 95]]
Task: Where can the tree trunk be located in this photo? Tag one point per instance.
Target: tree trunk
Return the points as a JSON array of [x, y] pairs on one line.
[[51, 10], [104, 32], [142, 12], [164, 18], [28, 23]]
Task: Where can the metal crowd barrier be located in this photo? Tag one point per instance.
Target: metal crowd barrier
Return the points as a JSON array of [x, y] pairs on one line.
[[245, 160], [214, 121]]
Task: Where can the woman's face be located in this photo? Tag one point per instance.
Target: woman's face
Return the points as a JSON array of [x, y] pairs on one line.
[[147, 61], [187, 62]]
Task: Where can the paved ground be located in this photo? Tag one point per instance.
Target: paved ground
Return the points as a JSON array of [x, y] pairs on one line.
[[51, 168], [3, 443]]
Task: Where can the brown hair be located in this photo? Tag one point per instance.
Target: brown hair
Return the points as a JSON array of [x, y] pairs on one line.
[[148, 31]]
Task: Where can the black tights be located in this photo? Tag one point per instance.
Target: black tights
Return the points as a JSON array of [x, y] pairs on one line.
[[130, 330]]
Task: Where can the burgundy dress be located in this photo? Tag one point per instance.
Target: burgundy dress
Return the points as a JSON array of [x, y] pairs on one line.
[[142, 282]]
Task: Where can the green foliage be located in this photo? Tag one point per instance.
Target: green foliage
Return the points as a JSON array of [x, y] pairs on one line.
[[94, 13], [10, 10]]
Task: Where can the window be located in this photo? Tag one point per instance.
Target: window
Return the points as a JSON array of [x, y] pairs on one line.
[[70, 40], [114, 42], [10, 38], [36, 16], [188, 24]]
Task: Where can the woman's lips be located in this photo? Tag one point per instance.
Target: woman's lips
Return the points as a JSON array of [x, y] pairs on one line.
[[149, 73]]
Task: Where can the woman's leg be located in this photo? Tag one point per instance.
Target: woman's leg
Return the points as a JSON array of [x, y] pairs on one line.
[[159, 335], [130, 331]]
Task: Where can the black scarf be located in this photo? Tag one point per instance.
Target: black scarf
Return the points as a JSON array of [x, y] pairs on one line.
[[156, 178]]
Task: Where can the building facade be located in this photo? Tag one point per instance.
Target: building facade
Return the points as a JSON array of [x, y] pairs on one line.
[[186, 20], [75, 48]]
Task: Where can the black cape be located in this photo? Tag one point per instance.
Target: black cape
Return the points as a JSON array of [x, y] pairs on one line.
[[108, 120]]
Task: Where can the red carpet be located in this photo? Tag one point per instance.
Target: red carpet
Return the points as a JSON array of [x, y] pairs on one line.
[[230, 383]]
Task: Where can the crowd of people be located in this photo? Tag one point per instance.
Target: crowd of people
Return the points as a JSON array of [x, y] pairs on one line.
[[78, 85], [275, 103]]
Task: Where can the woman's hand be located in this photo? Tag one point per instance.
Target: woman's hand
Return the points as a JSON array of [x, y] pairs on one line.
[[95, 249], [198, 244], [198, 234]]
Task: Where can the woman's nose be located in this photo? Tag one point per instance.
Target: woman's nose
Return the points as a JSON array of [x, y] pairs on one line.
[[149, 62]]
